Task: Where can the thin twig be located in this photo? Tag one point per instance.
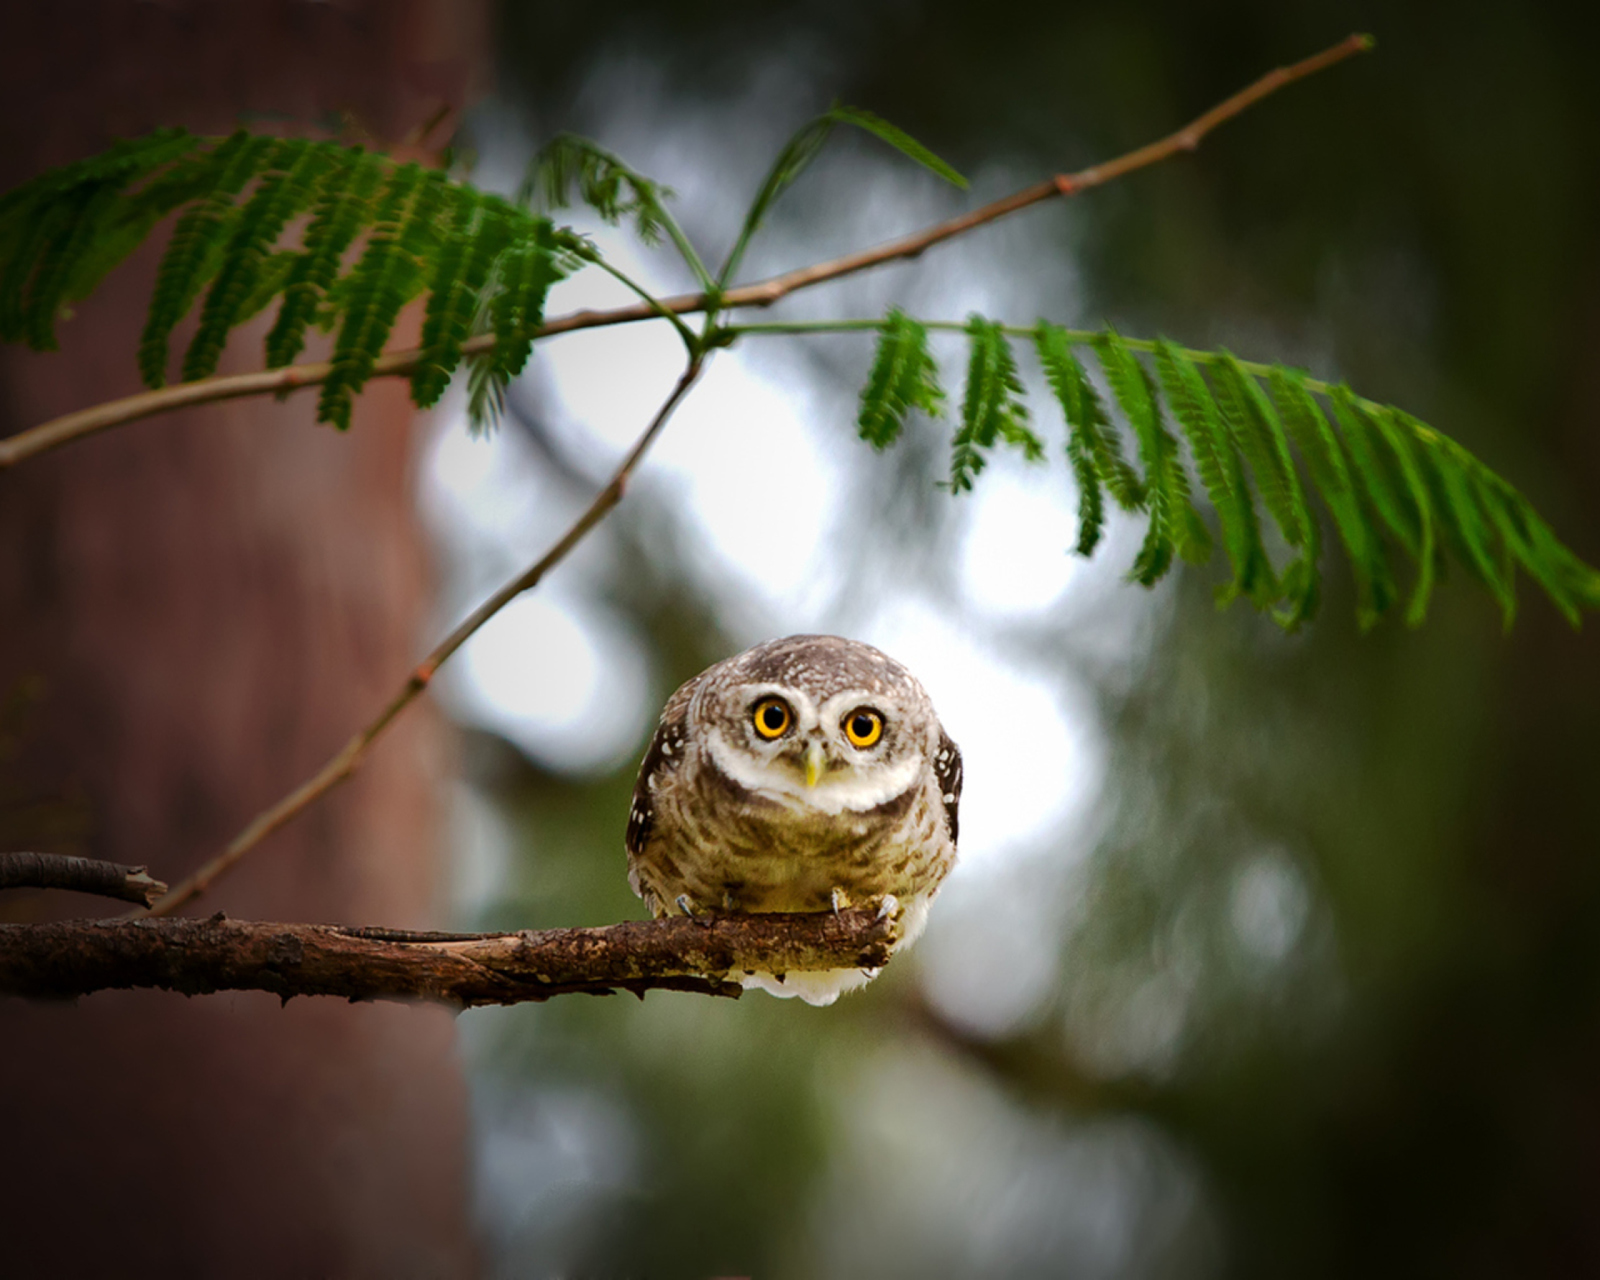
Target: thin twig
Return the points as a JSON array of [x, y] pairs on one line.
[[72, 426], [81, 875], [349, 757], [195, 957]]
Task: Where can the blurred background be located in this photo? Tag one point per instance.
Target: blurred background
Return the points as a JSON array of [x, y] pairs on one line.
[[1267, 955]]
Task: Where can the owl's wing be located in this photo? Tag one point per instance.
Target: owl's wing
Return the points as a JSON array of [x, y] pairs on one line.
[[664, 756], [947, 770]]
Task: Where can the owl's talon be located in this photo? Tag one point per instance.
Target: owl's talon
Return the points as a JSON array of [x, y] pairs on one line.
[[837, 897], [684, 904], [890, 906]]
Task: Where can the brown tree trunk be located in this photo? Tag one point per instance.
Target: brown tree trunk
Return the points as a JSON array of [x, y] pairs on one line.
[[194, 613]]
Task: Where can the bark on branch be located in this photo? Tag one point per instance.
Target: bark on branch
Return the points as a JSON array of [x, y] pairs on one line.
[[195, 957], [84, 875]]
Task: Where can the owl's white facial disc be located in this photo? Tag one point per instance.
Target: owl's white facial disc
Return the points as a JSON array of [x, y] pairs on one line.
[[852, 778]]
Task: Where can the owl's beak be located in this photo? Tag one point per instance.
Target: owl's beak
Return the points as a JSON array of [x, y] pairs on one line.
[[816, 761]]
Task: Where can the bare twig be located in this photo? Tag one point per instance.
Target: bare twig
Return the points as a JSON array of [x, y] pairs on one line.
[[72, 426], [349, 757], [194, 957], [82, 875]]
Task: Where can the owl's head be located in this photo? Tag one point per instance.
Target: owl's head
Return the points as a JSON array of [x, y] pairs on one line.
[[818, 722]]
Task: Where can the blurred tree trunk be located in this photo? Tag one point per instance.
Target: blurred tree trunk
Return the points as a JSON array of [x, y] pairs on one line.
[[194, 613]]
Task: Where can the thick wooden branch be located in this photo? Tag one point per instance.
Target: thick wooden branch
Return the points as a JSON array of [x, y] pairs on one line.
[[83, 875], [196, 957]]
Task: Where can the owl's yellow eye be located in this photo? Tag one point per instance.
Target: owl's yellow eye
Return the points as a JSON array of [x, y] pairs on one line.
[[771, 717], [863, 727]]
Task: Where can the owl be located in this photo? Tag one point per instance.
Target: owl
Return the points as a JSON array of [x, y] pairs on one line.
[[805, 774]]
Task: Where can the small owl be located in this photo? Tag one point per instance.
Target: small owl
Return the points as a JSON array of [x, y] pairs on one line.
[[805, 774]]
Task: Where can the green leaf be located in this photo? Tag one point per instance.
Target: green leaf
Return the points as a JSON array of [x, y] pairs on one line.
[[1221, 472], [1397, 435], [569, 164], [55, 226], [195, 251], [1261, 439], [381, 283], [344, 207], [527, 271], [801, 149], [991, 409], [897, 138], [1090, 432], [481, 229], [1375, 464], [292, 182], [1448, 466], [1174, 526], [904, 377], [1330, 474]]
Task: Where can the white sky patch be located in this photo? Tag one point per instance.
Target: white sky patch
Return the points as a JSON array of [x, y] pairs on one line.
[[1016, 557], [1031, 764], [744, 463], [558, 679]]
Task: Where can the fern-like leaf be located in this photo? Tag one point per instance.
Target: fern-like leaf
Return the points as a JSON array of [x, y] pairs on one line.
[[52, 226], [569, 166], [1260, 437], [380, 284], [904, 377], [1217, 461], [481, 229], [1093, 450], [344, 207], [1324, 456], [1462, 515], [528, 268], [195, 251], [292, 182], [1175, 526], [992, 410]]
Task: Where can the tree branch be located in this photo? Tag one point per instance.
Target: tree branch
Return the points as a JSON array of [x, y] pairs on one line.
[[84, 422], [195, 957], [82, 875], [350, 755]]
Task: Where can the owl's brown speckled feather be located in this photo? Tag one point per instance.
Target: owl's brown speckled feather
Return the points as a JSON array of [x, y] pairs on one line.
[[728, 818]]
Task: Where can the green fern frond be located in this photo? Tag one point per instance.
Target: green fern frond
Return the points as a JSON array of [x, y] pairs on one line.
[[486, 395], [531, 264], [1090, 430], [56, 226], [194, 254], [992, 410], [482, 227], [1175, 526], [387, 276], [236, 199], [292, 182], [1221, 471], [897, 138], [798, 153], [1324, 455], [1259, 435], [569, 166], [904, 377], [343, 208]]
